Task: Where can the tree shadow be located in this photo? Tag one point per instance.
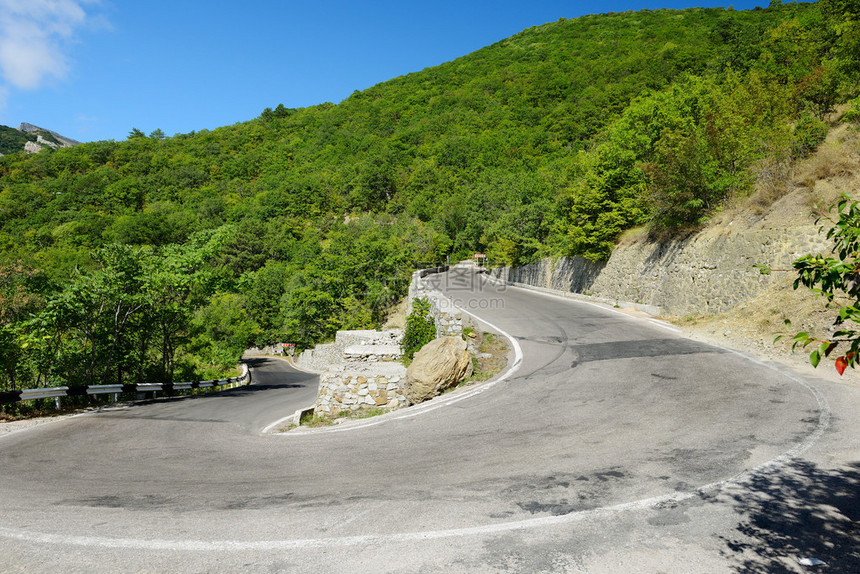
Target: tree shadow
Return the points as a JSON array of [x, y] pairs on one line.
[[256, 362], [293, 379], [798, 512]]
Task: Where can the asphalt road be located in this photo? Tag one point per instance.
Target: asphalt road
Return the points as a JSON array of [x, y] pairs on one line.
[[616, 446]]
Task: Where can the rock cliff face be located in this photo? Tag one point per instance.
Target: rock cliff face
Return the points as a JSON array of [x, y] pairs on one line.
[[61, 141], [713, 272]]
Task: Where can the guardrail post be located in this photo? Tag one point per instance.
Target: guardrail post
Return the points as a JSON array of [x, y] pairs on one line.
[[57, 403]]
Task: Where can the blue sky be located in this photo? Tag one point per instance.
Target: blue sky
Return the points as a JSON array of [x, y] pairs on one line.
[[95, 69]]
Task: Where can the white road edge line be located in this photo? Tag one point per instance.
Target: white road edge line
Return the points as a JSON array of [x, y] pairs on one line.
[[602, 306], [824, 417], [482, 530], [281, 420], [424, 407]]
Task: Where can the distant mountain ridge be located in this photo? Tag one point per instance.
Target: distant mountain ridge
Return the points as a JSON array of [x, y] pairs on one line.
[[30, 128], [31, 139]]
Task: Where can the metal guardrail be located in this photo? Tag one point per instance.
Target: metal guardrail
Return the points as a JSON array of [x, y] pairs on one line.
[[7, 397]]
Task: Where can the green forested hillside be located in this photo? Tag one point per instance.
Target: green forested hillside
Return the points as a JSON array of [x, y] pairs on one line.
[[162, 257]]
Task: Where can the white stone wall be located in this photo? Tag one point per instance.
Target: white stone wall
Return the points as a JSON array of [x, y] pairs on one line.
[[359, 371], [269, 350], [448, 319], [326, 355], [360, 387]]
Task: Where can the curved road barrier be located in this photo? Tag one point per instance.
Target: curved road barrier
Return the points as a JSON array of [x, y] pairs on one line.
[[7, 397]]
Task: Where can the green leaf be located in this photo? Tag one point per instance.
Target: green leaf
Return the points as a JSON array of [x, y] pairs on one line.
[[814, 358]]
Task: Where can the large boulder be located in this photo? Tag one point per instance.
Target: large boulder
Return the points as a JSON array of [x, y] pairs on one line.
[[440, 364]]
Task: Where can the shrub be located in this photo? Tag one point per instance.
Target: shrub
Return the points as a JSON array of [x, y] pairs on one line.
[[809, 131], [853, 113], [420, 328]]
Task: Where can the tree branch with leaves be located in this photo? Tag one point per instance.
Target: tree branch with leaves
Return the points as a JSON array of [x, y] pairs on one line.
[[836, 277]]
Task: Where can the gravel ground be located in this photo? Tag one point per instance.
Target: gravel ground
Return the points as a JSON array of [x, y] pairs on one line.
[[12, 426], [8, 427]]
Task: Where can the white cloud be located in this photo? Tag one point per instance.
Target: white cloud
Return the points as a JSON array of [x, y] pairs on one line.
[[32, 35]]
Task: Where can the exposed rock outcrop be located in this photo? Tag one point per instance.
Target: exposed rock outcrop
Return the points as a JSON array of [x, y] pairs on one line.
[[62, 141], [706, 273]]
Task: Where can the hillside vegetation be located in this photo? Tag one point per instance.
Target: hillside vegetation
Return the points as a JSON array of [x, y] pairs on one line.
[[161, 258]]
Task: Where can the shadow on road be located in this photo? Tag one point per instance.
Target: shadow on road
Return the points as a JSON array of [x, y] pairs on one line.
[[799, 513], [256, 362], [297, 380], [255, 388]]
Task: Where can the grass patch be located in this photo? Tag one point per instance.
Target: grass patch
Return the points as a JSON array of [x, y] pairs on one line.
[[367, 414], [484, 367], [309, 420]]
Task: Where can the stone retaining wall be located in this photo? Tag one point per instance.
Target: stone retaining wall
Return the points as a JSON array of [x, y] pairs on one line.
[[356, 388], [325, 355], [704, 274], [359, 371], [268, 350], [448, 319]]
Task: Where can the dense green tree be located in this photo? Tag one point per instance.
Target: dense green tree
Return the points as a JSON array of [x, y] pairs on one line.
[[843, 19]]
